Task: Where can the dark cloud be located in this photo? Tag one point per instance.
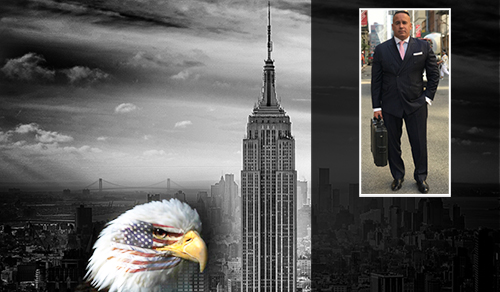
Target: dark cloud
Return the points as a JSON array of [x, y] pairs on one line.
[[211, 16], [33, 68], [140, 18], [303, 8], [192, 64], [117, 13], [28, 68]]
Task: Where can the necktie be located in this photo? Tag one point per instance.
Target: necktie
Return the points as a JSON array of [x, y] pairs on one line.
[[401, 50]]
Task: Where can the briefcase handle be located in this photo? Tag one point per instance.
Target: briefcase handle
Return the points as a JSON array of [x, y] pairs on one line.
[[377, 119]]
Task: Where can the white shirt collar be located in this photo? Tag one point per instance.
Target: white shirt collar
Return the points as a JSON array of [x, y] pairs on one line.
[[398, 40]]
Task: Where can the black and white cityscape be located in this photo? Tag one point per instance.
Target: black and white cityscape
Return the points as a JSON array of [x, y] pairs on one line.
[[107, 105], [47, 237], [83, 141], [404, 243]]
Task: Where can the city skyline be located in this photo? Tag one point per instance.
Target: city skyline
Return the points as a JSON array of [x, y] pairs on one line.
[[136, 95], [346, 250]]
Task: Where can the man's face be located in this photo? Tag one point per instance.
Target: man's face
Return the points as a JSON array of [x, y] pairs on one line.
[[401, 26]]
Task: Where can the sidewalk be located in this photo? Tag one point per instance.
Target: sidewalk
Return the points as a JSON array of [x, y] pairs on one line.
[[377, 180]]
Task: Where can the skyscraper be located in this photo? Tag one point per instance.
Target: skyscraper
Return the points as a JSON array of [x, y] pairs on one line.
[[225, 193], [302, 194], [324, 196], [230, 194], [386, 283], [268, 190], [484, 261]]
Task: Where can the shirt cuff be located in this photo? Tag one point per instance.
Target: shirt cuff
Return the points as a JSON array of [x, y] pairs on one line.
[[428, 100], [377, 109]]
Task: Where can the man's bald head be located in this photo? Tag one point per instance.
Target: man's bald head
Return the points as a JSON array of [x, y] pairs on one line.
[[401, 24]]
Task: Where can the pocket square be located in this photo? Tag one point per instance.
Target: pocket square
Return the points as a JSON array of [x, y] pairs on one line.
[[417, 54]]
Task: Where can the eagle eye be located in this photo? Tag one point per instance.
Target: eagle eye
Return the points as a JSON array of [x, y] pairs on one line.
[[159, 233]]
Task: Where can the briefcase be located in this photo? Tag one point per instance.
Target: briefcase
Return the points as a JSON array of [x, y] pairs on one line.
[[379, 142]]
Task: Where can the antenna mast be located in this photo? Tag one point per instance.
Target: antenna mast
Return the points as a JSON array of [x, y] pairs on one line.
[[269, 42]]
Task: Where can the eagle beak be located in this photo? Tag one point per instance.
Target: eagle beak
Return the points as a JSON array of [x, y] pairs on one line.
[[191, 247]]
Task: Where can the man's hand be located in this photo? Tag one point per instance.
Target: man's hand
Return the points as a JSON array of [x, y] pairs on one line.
[[377, 115]]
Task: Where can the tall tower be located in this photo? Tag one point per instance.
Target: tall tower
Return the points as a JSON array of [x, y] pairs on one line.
[[484, 261], [268, 191]]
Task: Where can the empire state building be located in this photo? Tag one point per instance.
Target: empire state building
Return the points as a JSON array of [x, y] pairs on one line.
[[268, 189]]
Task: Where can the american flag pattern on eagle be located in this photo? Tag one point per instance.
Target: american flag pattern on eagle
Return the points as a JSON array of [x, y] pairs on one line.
[[133, 250], [138, 234]]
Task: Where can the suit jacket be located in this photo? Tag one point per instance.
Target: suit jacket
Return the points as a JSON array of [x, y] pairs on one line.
[[397, 85]]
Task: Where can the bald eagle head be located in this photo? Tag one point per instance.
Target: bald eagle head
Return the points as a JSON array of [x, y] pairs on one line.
[[146, 247]]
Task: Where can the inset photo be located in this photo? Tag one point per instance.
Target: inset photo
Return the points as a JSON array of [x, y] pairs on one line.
[[405, 103]]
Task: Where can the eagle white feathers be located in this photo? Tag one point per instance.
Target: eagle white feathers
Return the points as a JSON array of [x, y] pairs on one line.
[[145, 247]]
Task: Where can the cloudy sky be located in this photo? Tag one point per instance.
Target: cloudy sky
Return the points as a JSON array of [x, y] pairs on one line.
[[135, 92]]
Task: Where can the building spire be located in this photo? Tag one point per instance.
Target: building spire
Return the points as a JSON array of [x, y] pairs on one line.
[[269, 42], [268, 99]]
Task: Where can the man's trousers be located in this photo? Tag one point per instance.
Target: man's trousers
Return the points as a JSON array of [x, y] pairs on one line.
[[416, 128]]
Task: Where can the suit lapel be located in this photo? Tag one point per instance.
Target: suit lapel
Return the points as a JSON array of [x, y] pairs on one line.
[[395, 52]]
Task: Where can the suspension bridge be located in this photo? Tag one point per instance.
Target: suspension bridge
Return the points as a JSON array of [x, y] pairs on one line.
[[104, 185]]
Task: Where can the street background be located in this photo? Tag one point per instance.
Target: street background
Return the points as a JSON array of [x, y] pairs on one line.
[[377, 180]]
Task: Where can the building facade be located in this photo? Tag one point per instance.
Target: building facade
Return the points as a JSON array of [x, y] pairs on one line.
[[225, 193], [386, 283], [302, 198], [268, 190]]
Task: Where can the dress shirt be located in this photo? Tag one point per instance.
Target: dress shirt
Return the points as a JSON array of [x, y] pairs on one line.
[[405, 44]]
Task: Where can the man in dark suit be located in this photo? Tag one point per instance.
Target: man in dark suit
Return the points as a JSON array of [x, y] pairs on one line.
[[398, 94]]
